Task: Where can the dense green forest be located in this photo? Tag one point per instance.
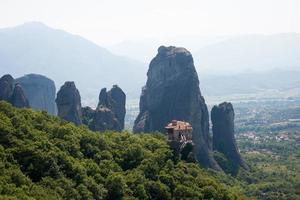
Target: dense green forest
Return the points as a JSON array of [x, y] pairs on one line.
[[43, 157]]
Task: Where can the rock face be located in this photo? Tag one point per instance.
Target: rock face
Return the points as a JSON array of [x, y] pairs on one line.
[[172, 93], [104, 119], [115, 100], [68, 103], [110, 112], [18, 98], [6, 87], [12, 93], [40, 92], [222, 117]]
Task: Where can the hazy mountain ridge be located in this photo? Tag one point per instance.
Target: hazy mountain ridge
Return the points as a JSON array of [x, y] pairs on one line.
[[251, 52], [251, 82], [36, 48], [221, 54]]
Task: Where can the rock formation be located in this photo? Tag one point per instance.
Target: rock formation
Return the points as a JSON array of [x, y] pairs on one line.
[[115, 100], [104, 119], [11, 93], [222, 117], [6, 87], [40, 92], [172, 93], [68, 103], [110, 112], [18, 98]]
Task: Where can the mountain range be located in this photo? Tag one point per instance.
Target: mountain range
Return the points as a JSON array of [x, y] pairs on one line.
[[36, 48], [226, 54], [261, 61]]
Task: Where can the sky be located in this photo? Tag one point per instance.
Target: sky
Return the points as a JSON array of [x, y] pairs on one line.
[[111, 21]]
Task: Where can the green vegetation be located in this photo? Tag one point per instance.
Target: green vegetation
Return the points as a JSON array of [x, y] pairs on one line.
[[43, 157], [268, 135]]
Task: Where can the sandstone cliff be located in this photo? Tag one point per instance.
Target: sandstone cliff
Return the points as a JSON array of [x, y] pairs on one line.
[[68, 103], [12, 93], [110, 112], [115, 100], [6, 87], [172, 92], [222, 117], [18, 98], [40, 92]]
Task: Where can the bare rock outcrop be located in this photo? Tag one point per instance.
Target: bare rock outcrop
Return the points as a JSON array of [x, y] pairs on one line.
[[172, 92], [40, 92], [18, 98], [110, 112], [6, 87], [222, 117], [68, 103], [12, 93], [115, 100], [104, 119]]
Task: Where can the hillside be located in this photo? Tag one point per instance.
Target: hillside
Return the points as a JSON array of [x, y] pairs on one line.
[[43, 157], [36, 48]]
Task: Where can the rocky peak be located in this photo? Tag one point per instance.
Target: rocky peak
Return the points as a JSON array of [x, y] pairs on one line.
[[68, 103], [172, 92], [110, 112], [40, 92], [222, 117], [104, 119], [119, 103], [6, 87], [18, 98], [171, 63], [103, 99]]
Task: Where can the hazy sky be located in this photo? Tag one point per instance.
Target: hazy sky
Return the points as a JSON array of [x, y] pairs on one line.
[[112, 21]]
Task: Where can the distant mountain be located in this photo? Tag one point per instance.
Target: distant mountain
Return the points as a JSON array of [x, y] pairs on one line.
[[36, 48], [225, 54], [144, 50], [252, 52], [251, 82]]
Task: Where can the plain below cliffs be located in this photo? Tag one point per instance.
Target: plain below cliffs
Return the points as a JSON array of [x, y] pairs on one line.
[[12, 93], [110, 112], [222, 117], [68, 103], [172, 92], [40, 92]]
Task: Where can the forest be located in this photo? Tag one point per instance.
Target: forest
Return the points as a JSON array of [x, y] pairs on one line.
[[44, 157]]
